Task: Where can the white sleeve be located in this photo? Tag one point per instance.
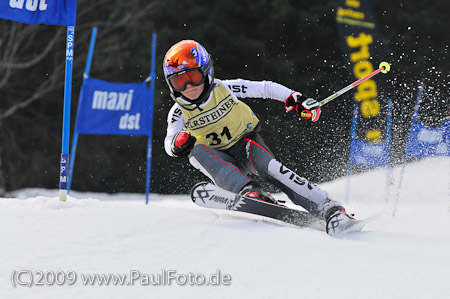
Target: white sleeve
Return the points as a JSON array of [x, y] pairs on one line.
[[175, 124], [258, 89]]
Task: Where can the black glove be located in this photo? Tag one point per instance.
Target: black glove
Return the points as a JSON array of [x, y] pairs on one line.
[[306, 107], [182, 144]]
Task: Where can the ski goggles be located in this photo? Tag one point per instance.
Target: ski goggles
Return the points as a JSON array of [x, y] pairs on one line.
[[180, 80]]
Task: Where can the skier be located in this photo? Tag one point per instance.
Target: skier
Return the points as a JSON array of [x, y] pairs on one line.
[[210, 124]]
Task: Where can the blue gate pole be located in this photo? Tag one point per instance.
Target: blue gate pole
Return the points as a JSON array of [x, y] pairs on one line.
[[66, 114], [149, 141], [388, 142], [75, 135], [352, 137], [402, 171]]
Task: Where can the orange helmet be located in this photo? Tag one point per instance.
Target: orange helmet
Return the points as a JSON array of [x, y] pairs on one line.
[[187, 62]]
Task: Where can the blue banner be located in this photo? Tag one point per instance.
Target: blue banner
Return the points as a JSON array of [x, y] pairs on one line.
[[51, 12], [114, 108], [363, 153], [426, 142]]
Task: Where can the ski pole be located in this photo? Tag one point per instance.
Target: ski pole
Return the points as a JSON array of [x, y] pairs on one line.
[[384, 67]]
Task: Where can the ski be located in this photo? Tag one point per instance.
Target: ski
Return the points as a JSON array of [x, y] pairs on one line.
[[211, 196], [342, 223]]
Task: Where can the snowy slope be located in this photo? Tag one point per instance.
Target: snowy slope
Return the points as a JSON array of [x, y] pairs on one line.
[[406, 256]]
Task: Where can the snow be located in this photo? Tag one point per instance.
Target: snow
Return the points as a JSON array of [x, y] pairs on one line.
[[406, 256]]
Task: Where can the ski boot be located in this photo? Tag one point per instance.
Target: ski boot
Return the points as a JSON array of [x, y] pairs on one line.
[[328, 208], [253, 191], [336, 217]]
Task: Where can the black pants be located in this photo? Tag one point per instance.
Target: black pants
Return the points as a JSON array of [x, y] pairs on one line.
[[229, 170]]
